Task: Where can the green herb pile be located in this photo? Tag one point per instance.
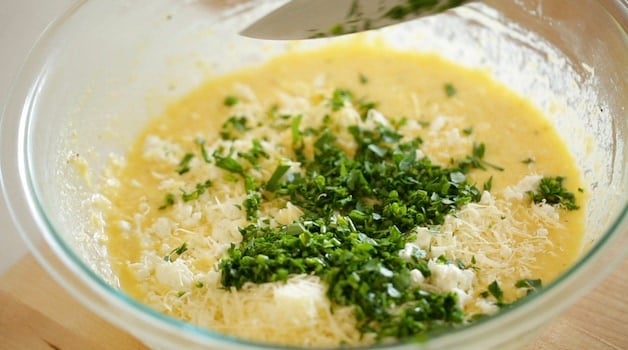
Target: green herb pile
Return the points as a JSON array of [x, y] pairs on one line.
[[360, 210], [552, 191], [359, 213]]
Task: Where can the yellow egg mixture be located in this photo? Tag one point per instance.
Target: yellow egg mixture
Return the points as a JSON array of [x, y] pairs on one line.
[[451, 108]]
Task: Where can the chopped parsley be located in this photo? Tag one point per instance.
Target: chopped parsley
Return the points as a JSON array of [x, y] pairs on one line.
[[450, 90], [488, 185], [231, 101], [551, 191], [255, 153], [228, 163], [496, 291], [176, 252], [476, 159], [252, 204], [275, 178], [339, 98], [199, 189], [528, 160], [360, 211], [233, 127], [337, 29], [530, 285], [363, 78], [296, 133], [168, 201], [201, 143], [184, 164]]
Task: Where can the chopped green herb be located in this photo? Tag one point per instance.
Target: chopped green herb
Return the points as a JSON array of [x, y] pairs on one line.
[[551, 191], [230, 101], [233, 127], [530, 284], [460, 264], [450, 90], [468, 131], [255, 153], [363, 79], [272, 111], [476, 159], [184, 164], [200, 188], [495, 290], [528, 161], [181, 293], [442, 259], [250, 184], [199, 284], [252, 204], [488, 185], [176, 252], [339, 98], [296, 133], [424, 123], [273, 182], [399, 122], [364, 106], [337, 29], [228, 163], [201, 143], [168, 201]]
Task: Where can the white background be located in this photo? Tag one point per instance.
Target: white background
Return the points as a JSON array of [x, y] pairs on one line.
[[21, 23]]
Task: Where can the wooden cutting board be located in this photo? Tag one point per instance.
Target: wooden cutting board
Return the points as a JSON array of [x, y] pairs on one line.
[[36, 313]]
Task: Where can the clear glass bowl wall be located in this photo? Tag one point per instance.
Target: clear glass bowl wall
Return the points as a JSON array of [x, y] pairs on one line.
[[101, 71]]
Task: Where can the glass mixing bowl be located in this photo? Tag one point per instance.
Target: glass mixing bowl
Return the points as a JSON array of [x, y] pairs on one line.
[[102, 70]]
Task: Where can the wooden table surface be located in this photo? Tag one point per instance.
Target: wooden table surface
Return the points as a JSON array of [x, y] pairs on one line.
[[36, 313]]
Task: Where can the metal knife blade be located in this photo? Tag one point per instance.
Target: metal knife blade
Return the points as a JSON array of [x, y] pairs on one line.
[[306, 19]]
